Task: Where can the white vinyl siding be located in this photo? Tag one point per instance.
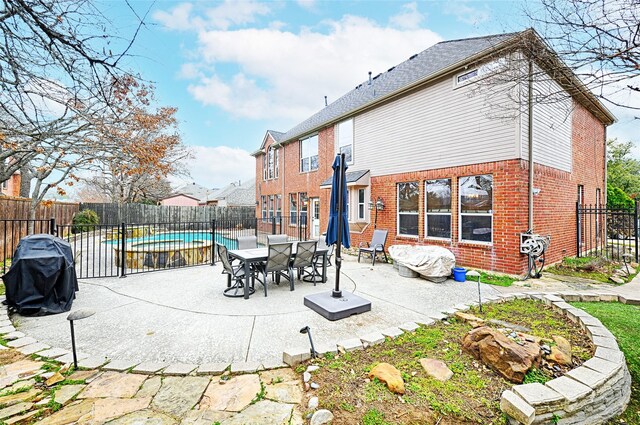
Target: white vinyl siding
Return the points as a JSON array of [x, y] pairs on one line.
[[552, 116], [433, 128]]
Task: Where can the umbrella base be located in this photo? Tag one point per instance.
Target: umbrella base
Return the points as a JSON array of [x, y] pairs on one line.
[[337, 308]]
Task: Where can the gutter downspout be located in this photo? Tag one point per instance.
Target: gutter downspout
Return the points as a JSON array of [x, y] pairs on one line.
[[530, 142]]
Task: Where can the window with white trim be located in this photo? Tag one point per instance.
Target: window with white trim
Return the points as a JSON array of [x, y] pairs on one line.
[[309, 154], [345, 140], [304, 204], [276, 162], [476, 208], [293, 208], [438, 208], [264, 166], [263, 200], [270, 206], [270, 162], [408, 209], [361, 205], [278, 206]]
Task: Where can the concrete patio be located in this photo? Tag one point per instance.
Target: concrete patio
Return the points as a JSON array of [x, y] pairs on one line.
[[181, 316]]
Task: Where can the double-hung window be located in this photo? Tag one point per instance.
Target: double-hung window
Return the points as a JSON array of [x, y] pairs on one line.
[[309, 154], [293, 208], [265, 168], [304, 203], [438, 208], [476, 208], [271, 160], [263, 199], [345, 140], [278, 206], [361, 205], [270, 206], [276, 163], [408, 200]]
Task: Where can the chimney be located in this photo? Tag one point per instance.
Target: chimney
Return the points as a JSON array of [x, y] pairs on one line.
[[325, 101], [369, 77]]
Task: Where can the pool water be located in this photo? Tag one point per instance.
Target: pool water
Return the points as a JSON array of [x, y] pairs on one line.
[[178, 238]]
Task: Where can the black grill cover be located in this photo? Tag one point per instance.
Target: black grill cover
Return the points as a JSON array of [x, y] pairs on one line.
[[42, 279]]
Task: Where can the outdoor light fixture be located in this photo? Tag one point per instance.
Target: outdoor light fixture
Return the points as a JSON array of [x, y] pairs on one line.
[[626, 257], [307, 330], [473, 273], [379, 204], [77, 315]]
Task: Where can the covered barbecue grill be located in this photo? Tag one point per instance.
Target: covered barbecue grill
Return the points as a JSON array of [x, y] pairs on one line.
[[42, 279]]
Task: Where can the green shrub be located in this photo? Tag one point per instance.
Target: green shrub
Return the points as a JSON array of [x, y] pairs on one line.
[[616, 198], [84, 221]]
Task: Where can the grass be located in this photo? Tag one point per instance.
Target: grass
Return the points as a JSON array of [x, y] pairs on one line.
[[593, 268], [622, 321], [472, 395], [498, 280]]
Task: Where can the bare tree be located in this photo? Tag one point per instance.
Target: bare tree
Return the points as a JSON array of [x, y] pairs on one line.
[[54, 57], [599, 40]]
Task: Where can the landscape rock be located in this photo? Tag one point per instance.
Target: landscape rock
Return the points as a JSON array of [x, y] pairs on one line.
[[388, 374], [616, 279], [114, 384], [70, 414], [14, 410], [559, 357], [109, 408], [562, 344], [313, 403], [66, 393], [509, 359], [470, 318], [315, 385], [306, 377], [321, 417], [285, 392], [437, 369]]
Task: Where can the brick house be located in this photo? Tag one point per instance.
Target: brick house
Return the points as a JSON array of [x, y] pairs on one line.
[[429, 139]]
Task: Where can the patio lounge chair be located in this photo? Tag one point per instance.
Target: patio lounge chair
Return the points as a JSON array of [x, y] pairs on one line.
[[378, 241], [278, 262], [277, 239], [234, 274], [247, 242], [304, 258]]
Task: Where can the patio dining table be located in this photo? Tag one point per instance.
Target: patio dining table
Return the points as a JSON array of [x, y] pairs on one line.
[[259, 255]]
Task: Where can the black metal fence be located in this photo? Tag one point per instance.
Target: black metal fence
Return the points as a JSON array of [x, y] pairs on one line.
[[607, 232], [110, 250], [11, 231]]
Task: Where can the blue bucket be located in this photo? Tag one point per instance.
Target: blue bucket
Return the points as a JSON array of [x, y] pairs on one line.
[[459, 274]]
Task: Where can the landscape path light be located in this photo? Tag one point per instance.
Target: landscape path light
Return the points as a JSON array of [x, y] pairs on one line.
[[307, 330], [77, 315]]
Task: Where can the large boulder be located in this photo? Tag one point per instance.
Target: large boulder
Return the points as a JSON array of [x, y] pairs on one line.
[[390, 375], [505, 356]]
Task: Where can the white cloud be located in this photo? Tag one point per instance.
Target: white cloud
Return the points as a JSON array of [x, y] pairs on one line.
[[467, 14], [409, 18], [218, 166], [283, 74], [223, 16], [307, 4]]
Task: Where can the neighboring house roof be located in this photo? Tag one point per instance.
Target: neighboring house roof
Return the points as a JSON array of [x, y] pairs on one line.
[[236, 193], [420, 68], [350, 177], [175, 195], [192, 190]]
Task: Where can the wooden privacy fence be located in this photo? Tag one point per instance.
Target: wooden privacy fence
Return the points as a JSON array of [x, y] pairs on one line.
[[141, 213], [18, 209]]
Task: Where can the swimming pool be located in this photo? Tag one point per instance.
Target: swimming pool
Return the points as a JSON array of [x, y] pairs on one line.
[[177, 238]]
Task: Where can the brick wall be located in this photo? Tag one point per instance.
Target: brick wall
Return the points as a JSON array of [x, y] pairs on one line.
[[554, 206]]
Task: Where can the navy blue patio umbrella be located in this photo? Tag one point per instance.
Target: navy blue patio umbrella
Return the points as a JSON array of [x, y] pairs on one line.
[[338, 228]]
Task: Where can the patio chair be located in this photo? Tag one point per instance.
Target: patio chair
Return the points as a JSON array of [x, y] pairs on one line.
[[322, 243], [305, 256], [277, 239], [279, 263], [378, 241], [234, 274], [247, 242]]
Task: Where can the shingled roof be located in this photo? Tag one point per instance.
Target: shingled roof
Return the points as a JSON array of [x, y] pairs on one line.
[[418, 67]]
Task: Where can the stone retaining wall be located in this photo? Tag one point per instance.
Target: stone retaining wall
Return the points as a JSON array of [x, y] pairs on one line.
[[590, 394]]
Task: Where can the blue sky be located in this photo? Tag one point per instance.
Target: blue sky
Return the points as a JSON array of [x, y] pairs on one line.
[[235, 69]]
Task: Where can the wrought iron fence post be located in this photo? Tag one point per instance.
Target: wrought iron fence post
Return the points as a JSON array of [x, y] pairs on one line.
[[213, 242], [280, 220], [635, 228], [273, 225], [123, 254], [52, 226], [256, 226], [579, 229]]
